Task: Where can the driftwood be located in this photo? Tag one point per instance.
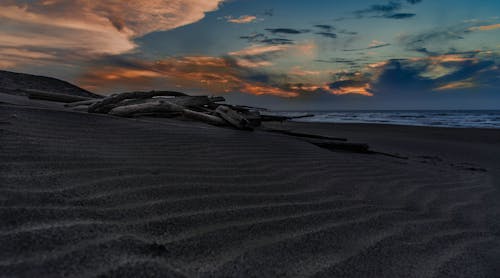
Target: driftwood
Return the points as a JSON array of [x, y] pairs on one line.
[[305, 135], [275, 118], [186, 101], [56, 97], [341, 146], [107, 104], [169, 104], [82, 103], [165, 106], [148, 107], [233, 117], [207, 118]]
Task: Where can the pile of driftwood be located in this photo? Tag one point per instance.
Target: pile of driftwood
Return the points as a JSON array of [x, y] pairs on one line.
[[167, 104], [201, 108]]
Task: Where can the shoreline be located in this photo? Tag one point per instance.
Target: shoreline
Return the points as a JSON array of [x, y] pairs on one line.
[[395, 124]]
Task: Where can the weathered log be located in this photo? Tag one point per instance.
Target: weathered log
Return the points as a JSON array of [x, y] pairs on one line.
[[233, 117], [165, 106], [82, 103], [107, 104], [191, 101], [148, 107], [305, 135], [253, 117], [158, 114], [217, 99], [275, 118], [210, 119], [338, 146], [56, 97]]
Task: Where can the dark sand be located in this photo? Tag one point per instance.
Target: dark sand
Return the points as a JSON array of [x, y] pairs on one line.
[[87, 195]]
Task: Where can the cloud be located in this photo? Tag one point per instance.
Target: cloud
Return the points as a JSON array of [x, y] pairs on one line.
[[449, 72], [241, 71], [374, 44], [377, 9], [327, 35], [216, 74], [81, 28], [389, 10], [242, 19], [351, 87], [456, 85], [325, 27], [400, 15], [261, 55], [434, 38], [277, 41], [288, 31], [263, 39], [485, 27]]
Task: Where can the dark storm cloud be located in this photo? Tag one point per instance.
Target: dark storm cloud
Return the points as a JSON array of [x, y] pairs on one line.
[[325, 27], [389, 10], [261, 38], [257, 37], [370, 47], [348, 62], [386, 9], [401, 75], [276, 41], [288, 31], [346, 32], [434, 38], [400, 15], [327, 35], [346, 83]]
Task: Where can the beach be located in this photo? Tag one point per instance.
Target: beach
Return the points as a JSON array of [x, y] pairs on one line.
[[88, 195]]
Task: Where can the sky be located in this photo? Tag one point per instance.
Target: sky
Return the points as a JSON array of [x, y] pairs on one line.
[[280, 54]]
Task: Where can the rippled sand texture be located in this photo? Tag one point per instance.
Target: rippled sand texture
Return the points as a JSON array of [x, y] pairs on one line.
[[85, 195]]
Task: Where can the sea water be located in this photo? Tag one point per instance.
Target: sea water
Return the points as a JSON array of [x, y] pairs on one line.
[[438, 118]]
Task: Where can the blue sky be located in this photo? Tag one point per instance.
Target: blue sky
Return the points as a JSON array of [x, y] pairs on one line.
[[311, 55]]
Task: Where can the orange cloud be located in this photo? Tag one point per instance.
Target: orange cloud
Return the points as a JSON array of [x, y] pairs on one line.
[[242, 19], [485, 27], [351, 89], [210, 73], [260, 50], [457, 85], [360, 90], [301, 72], [259, 55], [213, 74], [84, 28], [445, 58]]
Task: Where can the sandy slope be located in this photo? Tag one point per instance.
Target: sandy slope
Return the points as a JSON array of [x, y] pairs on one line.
[[12, 82], [84, 195]]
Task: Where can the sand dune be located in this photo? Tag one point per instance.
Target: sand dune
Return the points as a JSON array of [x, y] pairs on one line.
[[15, 83], [87, 195]]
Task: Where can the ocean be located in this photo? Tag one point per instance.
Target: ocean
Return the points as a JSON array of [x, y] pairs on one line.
[[437, 118]]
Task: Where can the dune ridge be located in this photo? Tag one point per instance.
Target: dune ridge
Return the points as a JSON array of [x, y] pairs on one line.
[[88, 195]]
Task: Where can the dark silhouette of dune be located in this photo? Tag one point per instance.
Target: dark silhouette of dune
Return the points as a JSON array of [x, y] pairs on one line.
[[16, 83]]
